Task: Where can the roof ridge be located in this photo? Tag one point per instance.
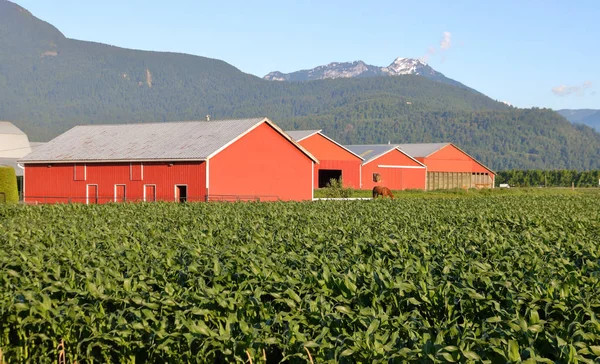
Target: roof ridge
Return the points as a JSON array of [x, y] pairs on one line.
[[169, 122]]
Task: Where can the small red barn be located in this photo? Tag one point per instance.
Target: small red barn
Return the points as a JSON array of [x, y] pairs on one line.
[[335, 161], [389, 166], [450, 167], [249, 159]]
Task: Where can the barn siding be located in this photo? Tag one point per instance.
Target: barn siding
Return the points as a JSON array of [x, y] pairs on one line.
[[332, 156], [261, 164], [450, 168], [394, 178], [56, 184]]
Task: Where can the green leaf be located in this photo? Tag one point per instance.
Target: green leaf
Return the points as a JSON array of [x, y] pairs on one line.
[[373, 326], [345, 309], [513, 351], [494, 319], [471, 355], [347, 352], [448, 357]]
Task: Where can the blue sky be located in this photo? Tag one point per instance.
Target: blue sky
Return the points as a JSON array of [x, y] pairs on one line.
[[528, 53]]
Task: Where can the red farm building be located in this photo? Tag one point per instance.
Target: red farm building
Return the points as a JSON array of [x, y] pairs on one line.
[[250, 159], [450, 167], [335, 160], [389, 166]]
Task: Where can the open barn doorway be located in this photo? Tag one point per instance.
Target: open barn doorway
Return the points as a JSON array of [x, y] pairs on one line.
[[325, 175], [181, 193]]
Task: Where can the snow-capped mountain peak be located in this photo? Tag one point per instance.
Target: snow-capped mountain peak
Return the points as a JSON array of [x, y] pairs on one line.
[[400, 66]]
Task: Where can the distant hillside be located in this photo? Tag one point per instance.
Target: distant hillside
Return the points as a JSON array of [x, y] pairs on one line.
[[588, 117], [49, 83]]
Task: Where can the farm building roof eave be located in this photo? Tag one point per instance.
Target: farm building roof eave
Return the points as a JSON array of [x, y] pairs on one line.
[[338, 144], [364, 150], [391, 150], [67, 161], [289, 138], [478, 162], [299, 135]]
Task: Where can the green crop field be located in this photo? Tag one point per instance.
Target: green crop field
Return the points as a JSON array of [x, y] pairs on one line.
[[493, 278]]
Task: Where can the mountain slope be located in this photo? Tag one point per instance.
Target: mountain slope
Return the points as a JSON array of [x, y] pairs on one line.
[[49, 83], [587, 117]]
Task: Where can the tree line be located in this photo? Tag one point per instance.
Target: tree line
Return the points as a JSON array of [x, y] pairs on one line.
[[555, 178]]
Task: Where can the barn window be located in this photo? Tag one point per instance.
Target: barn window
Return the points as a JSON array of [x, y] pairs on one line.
[[79, 172], [376, 177], [136, 171], [326, 175]]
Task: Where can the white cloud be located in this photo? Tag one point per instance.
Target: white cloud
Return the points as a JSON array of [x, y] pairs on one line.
[[446, 42], [579, 90]]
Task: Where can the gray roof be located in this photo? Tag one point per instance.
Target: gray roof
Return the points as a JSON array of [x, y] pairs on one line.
[[298, 135], [188, 140], [416, 150], [11, 162], [370, 151], [9, 128]]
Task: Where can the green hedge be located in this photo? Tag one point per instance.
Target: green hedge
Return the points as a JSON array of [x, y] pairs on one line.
[[8, 185]]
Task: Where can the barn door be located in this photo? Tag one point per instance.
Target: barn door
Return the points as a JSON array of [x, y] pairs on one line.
[[119, 193], [92, 194], [180, 193], [150, 193]]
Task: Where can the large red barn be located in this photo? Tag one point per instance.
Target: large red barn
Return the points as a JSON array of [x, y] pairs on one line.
[[389, 166], [335, 160], [450, 167], [249, 159]]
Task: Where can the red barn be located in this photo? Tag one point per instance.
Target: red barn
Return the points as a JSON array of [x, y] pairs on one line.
[[389, 166], [450, 167], [250, 159], [335, 161]]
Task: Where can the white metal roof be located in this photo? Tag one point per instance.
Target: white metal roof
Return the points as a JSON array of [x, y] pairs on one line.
[[9, 128], [186, 140]]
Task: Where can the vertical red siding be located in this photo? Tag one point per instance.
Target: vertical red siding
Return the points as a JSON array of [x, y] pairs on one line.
[[394, 178], [452, 159], [261, 163], [53, 184], [332, 156]]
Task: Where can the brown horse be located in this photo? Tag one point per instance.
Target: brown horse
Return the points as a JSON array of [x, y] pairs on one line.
[[382, 191]]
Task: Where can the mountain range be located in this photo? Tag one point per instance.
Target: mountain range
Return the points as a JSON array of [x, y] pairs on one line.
[[50, 83], [589, 117], [401, 66]]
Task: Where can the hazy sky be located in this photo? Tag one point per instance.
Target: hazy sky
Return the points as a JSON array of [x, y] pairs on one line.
[[528, 53]]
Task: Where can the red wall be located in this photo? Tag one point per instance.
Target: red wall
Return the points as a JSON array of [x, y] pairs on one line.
[[452, 159], [332, 156], [262, 163], [394, 178], [58, 184]]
